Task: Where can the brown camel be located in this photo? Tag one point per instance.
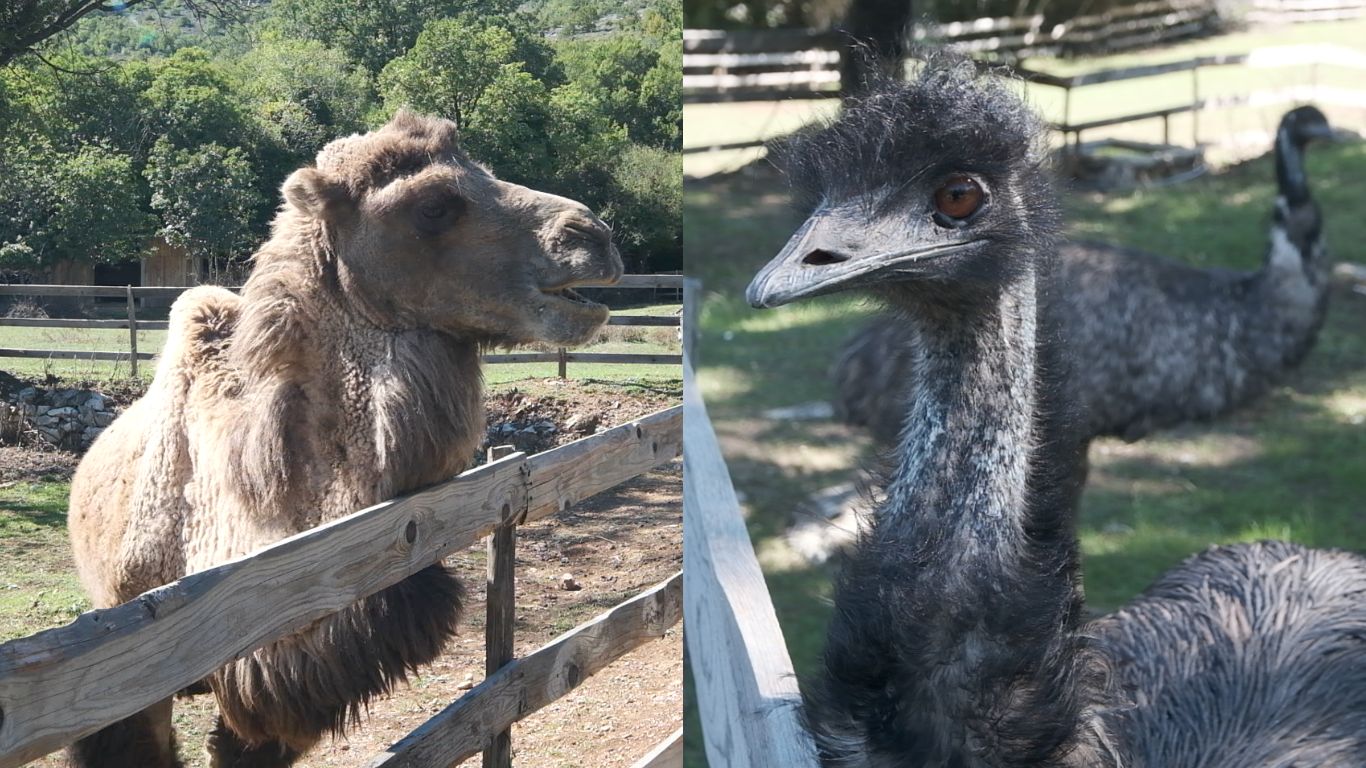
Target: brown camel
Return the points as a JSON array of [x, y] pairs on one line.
[[346, 373]]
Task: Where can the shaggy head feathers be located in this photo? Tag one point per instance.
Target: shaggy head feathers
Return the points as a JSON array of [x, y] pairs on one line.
[[950, 118]]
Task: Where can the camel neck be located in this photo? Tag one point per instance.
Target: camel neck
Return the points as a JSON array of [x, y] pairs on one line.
[[954, 636]]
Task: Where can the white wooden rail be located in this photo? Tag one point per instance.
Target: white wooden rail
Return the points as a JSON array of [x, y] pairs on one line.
[[64, 683], [739, 660]]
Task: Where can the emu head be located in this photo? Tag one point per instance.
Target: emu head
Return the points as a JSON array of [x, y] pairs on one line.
[[421, 236], [1298, 127], [934, 184]]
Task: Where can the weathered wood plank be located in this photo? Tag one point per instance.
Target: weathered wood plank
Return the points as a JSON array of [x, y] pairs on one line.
[[668, 754], [70, 354], [659, 320], [64, 683], [591, 465], [500, 615], [623, 359], [54, 322], [522, 357], [649, 281], [526, 685], [132, 333], [739, 661], [118, 291]]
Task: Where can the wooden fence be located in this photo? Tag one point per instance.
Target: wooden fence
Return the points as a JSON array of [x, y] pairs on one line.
[[61, 684], [739, 661], [131, 294], [1270, 57], [762, 65]]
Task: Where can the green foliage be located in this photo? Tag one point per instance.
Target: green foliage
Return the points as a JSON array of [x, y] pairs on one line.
[[647, 206], [634, 79], [183, 126], [205, 196], [191, 101], [303, 94], [451, 66], [373, 32]]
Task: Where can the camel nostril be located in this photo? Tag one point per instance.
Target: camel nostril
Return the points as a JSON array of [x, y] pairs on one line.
[[822, 258]]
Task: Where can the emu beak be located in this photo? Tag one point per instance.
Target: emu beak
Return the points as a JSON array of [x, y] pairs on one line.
[[838, 249]]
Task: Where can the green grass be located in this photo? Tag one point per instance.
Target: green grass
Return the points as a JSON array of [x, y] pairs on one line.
[[1287, 467], [38, 586]]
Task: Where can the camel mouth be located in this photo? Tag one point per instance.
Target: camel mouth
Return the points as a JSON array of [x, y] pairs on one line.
[[571, 296]]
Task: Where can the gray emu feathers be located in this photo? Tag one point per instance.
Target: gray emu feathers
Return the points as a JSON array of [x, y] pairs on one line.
[[957, 636]]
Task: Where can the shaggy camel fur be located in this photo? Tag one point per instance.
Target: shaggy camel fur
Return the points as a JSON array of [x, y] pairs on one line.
[[346, 373]]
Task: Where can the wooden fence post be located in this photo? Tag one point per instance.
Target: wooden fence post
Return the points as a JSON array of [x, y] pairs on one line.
[[132, 331], [500, 614], [692, 301], [564, 363]]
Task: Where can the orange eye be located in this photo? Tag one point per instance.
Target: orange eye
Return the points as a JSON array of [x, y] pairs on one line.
[[959, 198]]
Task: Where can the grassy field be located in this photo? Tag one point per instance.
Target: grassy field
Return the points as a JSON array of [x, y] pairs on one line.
[[1289, 466], [706, 124], [38, 589], [614, 339]]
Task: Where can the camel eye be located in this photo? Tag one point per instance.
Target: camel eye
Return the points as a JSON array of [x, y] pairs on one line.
[[437, 214], [959, 197]]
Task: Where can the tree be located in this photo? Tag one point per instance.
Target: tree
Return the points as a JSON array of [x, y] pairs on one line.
[[191, 102], [374, 32], [206, 197], [303, 95], [82, 205], [450, 67], [634, 80], [25, 26], [646, 208]]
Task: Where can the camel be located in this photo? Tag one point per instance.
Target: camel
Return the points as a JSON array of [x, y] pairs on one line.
[[347, 372]]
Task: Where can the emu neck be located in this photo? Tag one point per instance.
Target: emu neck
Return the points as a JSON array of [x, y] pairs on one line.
[[953, 641]]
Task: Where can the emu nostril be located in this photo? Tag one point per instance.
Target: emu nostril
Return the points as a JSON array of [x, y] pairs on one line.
[[820, 258]]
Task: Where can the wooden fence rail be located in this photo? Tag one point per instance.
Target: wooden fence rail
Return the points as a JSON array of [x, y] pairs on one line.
[[130, 293], [64, 683], [739, 660]]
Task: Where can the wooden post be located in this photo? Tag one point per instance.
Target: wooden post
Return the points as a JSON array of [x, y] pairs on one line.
[[692, 299], [132, 331], [1195, 113], [1067, 119], [1166, 128], [564, 363], [500, 614]]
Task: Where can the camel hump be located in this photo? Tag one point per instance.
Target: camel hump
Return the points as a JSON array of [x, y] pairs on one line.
[[201, 325]]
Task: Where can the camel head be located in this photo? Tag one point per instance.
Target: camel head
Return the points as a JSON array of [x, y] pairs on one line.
[[421, 236]]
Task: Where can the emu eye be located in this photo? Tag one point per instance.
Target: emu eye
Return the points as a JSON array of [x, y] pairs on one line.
[[959, 197], [433, 211]]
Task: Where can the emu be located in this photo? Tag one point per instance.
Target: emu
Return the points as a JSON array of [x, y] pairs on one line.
[[958, 636], [1165, 343]]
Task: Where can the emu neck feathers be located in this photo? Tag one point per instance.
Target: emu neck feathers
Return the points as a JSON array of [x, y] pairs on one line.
[[965, 653]]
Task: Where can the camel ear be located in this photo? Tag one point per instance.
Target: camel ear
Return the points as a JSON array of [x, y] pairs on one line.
[[313, 193]]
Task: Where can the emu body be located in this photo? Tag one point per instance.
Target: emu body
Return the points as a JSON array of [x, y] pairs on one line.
[[957, 637], [346, 373]]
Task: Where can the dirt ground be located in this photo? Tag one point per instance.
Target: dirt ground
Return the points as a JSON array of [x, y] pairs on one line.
[[614, 545]]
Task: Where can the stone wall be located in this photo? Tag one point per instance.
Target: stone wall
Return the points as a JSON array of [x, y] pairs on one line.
[[65, 418]]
